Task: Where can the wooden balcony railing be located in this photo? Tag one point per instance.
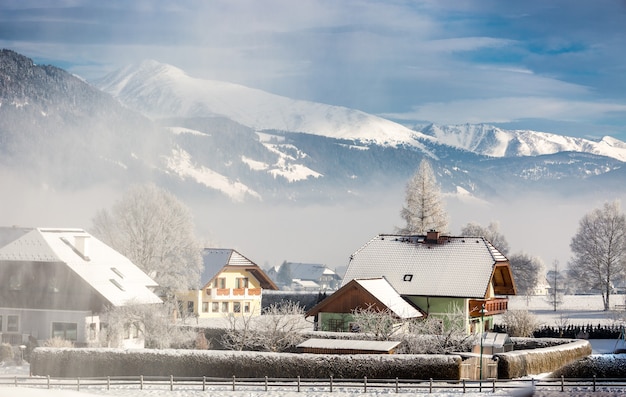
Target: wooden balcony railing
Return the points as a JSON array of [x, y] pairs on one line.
[[492, 306], [223, 293]]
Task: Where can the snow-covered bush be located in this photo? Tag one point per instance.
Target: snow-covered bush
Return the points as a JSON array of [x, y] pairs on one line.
[[600, 365], [57, 342], [6, 352], [520, 323], [225, 364], [520, 363]]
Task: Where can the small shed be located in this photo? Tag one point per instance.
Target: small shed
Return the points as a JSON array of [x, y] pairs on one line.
[[493, 342], [347, 346]]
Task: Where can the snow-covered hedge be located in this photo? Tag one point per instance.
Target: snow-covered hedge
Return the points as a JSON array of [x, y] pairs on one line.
[[599, 365], [210, 363], [519, 363]]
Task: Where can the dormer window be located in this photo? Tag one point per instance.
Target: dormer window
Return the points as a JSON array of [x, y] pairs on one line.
[[407, 277], [116, 271]]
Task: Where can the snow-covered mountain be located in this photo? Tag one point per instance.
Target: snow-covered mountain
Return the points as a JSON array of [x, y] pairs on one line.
[[214, 139], [496, 142], [160, 91]]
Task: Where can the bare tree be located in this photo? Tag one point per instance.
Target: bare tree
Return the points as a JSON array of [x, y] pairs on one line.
[[278, 328], [527, 271], [424, 208], [155, 231], [441, 334], [599, 250], [491, 233], [556, 282], [380, 324], [154, 321], [520, 323]]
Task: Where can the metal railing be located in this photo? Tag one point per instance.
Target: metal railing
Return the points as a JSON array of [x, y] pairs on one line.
[[319, 385]]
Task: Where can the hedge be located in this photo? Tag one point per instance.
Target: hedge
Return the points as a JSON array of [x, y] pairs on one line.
[[520, 363], [600, 366], [196, 363]]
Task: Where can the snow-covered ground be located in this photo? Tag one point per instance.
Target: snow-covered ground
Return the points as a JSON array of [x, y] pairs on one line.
[[575, 310]]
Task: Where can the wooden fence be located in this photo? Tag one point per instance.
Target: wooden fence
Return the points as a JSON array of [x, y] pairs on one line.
[[317, 385]]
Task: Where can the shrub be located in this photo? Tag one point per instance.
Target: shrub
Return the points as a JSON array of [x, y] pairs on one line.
[[57, 342], [520, 323], [6, 352], [601, 366]]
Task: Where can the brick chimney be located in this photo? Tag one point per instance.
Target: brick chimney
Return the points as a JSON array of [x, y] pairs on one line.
[[432, 236]]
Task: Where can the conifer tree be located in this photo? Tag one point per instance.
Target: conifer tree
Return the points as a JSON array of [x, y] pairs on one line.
[[424, 208]]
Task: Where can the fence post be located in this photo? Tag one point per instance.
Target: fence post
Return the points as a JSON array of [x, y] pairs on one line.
[[493, 385], [594, 383], [331, 383], [108, 382], [140, 382], [233, 382], [430, 387], [298, 383], [464, 386], [397, 386], [562, 383], [266, 383], [203, 383], [171, 382], [365, 384], [78, 383], [48, 380], [15, 380]]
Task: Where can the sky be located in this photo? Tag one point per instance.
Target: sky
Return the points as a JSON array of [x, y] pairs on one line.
[[555, 66]]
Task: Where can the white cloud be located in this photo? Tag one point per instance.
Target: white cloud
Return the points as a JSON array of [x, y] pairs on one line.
[[501, 110]]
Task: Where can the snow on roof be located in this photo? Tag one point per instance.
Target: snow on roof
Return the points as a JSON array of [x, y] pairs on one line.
[[452, 267], [349, 344], [215, 259], [110, 273], [384, 292], [309, 271]]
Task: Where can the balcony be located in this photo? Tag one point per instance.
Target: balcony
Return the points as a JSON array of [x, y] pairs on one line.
[[233, 293], [492, 306]]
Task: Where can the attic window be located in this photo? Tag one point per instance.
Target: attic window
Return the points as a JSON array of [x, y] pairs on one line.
[[116, 271], [118, 285], [407, 277]]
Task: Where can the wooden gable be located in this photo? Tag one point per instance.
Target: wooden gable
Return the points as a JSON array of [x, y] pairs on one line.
[[502, 279], [345, 300]]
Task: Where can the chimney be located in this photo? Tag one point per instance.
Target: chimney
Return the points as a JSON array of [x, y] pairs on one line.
[[81, 243], [432, 236]]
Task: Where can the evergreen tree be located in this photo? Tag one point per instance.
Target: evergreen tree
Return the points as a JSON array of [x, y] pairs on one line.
[[424, 208]]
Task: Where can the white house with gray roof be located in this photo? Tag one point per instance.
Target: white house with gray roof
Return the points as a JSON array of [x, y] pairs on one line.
[[57, 283], [437, 273]]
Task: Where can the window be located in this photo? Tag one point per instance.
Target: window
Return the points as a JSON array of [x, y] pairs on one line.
[[219, 282], [225, 307], [246, 307], [237, 307], [408, 277], [13, 323], [118, 285], [189, 306], [335, 325], [205, 307], [67, 331], [242, 282], [15, 282], [215, 307], [0, 324]]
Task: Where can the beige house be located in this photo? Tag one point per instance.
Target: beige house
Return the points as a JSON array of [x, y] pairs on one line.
[[231, 284]]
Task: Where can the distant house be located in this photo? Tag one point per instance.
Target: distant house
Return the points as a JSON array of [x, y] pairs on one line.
[[230, 284], [439, 273], [305, 277], [58, 282], [335, 312]]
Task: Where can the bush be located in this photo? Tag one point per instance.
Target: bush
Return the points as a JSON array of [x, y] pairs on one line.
[[520, 323], [601, 366], [58, 342], [6, 352], [225, 364]]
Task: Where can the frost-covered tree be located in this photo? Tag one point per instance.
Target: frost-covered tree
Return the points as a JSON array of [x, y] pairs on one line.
[[527, 272], [556, 281], [380, 324], [424, 209], [491, 233], [152, 228], [599, 250]]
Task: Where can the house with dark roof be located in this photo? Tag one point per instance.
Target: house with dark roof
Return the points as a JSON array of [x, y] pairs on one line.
[[58, 283], [231, 284], [437, 274], [305, 277]]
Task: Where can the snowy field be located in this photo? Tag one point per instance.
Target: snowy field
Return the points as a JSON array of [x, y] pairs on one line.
[[575, 310]]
